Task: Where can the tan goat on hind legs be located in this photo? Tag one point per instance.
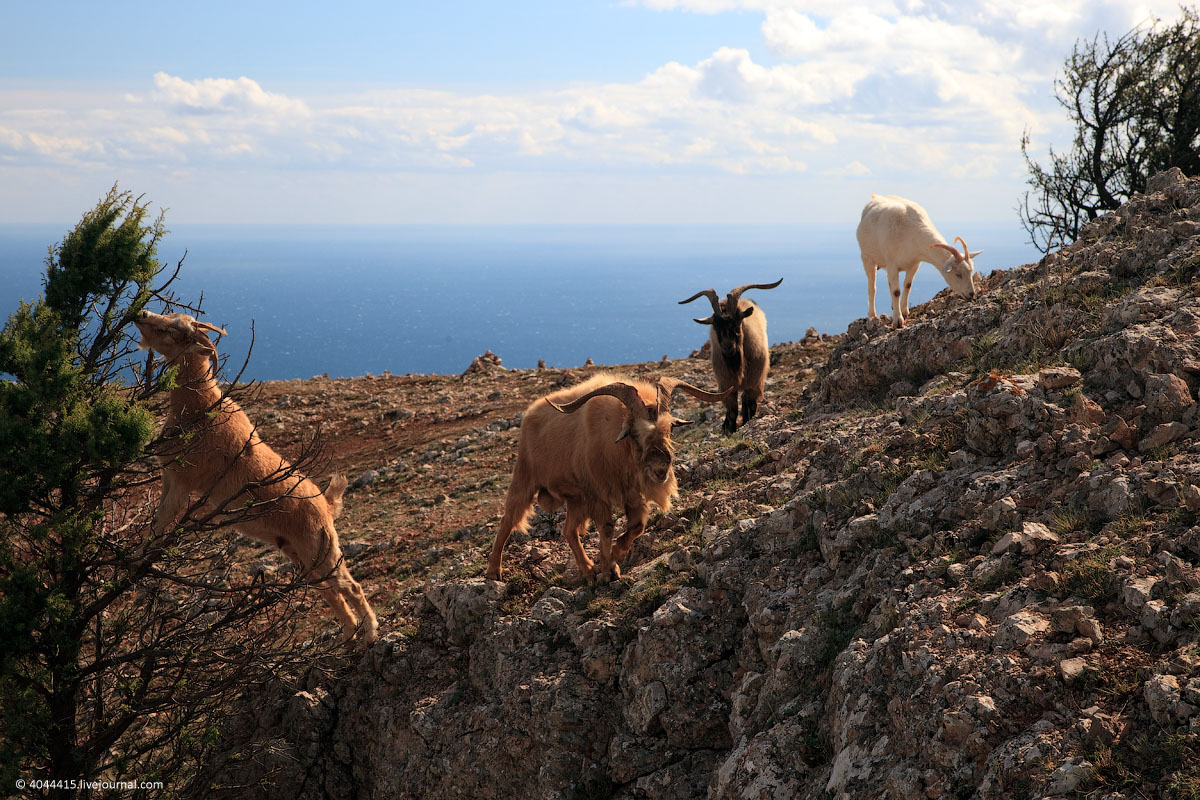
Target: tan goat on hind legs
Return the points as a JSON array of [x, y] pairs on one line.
[[223, 459], [602, 444]]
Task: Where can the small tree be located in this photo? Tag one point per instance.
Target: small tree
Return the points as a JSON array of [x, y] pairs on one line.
[[1135, 103], [121, 646]]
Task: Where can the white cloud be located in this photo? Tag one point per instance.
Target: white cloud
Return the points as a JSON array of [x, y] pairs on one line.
[[815, 131], [225, 95], [822, 7], [726, 113], [11, 139], [853, 169], [63, 147], [912, 90]]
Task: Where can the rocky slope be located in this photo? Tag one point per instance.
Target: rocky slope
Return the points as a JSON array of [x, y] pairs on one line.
[[955, 560]]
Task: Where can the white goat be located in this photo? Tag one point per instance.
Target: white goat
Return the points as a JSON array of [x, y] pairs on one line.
[[222, 459], [897, 235]]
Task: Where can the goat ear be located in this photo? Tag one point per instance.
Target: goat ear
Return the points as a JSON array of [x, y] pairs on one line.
[[975, 253], [202, 343], [624, 432], [705, 321], [749, 310]]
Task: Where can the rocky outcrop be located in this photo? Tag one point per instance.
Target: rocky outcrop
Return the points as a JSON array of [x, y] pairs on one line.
[[488, 362], [969, 568]]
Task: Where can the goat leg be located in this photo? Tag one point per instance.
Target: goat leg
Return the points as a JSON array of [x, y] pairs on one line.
[[517, 506], [608, 568], [731, 413], [367, 629], [870, 269], [573, 526], [333, 598], [749, 406], [635, 526], [174, 500], [893, 277]]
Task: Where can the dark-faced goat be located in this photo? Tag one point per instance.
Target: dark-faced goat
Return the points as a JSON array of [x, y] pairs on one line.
[[741, 355], [602, 444]]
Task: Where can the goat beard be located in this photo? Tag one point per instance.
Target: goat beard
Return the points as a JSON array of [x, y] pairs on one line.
[[735, 364]]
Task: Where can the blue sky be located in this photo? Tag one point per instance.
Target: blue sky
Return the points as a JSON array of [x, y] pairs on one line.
[[534, 111]]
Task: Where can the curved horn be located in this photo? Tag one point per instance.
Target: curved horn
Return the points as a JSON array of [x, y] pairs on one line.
[[209, 327], [201, 340], [711, 294], [945, 246], [736, 293], [668, 386], [966, 250], [627, 394]]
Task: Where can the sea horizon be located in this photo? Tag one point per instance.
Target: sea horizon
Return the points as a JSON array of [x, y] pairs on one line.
[[352, 300]]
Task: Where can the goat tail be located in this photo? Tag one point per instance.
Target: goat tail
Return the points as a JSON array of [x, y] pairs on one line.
[[333, 494]]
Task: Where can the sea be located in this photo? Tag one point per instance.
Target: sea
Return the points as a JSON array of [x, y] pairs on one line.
[[346, 300]]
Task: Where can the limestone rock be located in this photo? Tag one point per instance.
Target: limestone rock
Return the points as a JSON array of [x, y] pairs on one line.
[[1163, 697], [1055, 378], [1161, 435], [861, 594], [1167, 397], [485, 363], [1016, 631], [467, 608]]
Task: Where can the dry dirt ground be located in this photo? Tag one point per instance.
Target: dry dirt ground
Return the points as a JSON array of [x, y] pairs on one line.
[[429, 459]]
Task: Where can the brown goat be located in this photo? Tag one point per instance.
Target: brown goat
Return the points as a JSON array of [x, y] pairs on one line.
[[616, 451], [221, 458], [741, 355]]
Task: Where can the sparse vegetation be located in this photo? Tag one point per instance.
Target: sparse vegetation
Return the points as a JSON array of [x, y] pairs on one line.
[[1069, 518], [625, 602], [1149, 765], [1006, 574], [1092, 577]]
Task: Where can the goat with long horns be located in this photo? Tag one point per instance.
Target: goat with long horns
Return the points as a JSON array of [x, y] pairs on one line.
[[602, 444], [741, 355]]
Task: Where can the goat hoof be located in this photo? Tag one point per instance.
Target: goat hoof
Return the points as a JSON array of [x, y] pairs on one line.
[[360, 641]]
